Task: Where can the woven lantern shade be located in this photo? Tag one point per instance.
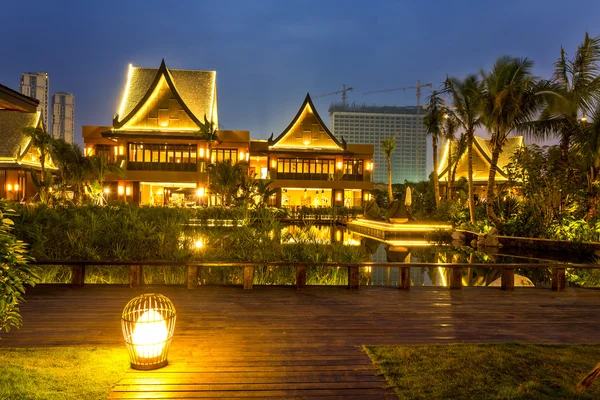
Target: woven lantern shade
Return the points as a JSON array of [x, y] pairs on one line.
[[148, 323]]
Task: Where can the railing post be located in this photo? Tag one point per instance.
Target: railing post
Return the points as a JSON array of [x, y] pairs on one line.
[[558, 279], [248, 277], [300, 277], [77, 275], [136, 277], [404, 281], [508, 279], [353, 278], [456, 279], [192, 276]]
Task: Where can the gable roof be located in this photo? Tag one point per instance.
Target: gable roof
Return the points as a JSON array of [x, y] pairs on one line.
[[307, 104], [14, 142], [13, 100], [195, 90], [483, 148]]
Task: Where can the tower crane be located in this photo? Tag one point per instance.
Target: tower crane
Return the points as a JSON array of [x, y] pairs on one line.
[[343, 92], [418, 87]]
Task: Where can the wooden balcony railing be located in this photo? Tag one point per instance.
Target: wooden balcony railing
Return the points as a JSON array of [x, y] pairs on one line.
[[195, 268]]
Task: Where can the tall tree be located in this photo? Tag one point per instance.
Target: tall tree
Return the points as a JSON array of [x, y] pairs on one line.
[[586, 145], [42, 141], [450, 130], [433, 121], [570, 95], [388, 146], [208, 134], [508, 100], [466, 108], [226, 178]]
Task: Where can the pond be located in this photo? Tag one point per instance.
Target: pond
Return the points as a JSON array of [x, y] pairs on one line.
[[314, 242]]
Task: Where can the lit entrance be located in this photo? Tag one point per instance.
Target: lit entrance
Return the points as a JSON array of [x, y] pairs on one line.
[[178, 194]]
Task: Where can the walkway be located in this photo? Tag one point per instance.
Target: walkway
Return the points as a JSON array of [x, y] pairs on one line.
[[277, 341]]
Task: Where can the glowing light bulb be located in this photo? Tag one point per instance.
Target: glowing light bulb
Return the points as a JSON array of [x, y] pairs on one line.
[[149, 334]]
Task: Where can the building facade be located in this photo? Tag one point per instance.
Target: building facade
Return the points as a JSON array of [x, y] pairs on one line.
[[18, 157], [37, 85], [311, 166], [63, 116], [155, 139], [482, 157], [371, 125]]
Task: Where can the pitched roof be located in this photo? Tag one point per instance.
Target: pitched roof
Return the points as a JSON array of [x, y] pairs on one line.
[[483, 148], [13, 100], [197, 90], [14, 142], [307, 110]]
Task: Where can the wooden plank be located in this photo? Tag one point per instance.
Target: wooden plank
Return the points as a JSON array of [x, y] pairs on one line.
[[300, 277], [248, 277], [77, 275], [508, 279], [192, 276], [558, 279], [136, 277], [456, 279], [404, 279], [353, 278]]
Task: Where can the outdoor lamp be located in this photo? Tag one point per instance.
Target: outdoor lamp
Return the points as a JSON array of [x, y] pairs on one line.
[[148, 323]]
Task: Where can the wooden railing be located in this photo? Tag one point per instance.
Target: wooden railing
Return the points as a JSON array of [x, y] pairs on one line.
[[194, 270]]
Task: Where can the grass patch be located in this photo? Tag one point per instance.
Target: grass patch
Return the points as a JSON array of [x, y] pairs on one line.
[[487, 371], [60, 373]]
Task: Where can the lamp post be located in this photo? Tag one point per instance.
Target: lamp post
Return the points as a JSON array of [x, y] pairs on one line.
[[148, 322]]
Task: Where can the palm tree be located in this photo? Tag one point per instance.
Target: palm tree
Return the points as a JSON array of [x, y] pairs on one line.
[[226, 178], [450, 129], [508, 100], [433, 121], [208, 134], [461, 147], [586, 146], [388, 146], [570, 94], [98, 169], [466, 109], [42, 141]]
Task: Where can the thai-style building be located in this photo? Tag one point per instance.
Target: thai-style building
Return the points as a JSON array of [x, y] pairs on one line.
[[311, 166], [482, 157], [155, 137], [18, 157]]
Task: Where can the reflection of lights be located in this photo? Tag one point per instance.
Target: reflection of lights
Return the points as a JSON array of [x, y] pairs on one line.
[[400, 227], [338, 236], [442, 276]]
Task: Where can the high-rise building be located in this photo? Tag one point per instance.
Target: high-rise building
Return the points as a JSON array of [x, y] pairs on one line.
[[36, 85], [372, 124], [63, 116]]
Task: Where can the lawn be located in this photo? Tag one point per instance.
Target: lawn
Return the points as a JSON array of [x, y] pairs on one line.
[[487, 371], [60, 373]]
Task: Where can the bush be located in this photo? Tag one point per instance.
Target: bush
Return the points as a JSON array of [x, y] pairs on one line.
[[15, 273]]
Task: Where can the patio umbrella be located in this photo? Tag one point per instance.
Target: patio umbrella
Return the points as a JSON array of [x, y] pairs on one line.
[[408, 199]]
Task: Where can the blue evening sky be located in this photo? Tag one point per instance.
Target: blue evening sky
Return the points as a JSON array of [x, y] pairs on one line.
[[268, 54]]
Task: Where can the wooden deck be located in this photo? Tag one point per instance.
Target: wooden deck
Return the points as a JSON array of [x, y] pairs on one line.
[[279, 342]]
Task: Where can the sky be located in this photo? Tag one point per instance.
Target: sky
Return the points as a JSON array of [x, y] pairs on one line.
[[269, 54]]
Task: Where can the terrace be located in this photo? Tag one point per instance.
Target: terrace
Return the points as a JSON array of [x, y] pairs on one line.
[[280, 342]]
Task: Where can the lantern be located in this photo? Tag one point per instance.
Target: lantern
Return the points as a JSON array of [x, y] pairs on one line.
[[148, 323]]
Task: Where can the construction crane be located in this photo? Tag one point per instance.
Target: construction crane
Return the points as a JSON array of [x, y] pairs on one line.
[[343, 92], [418, 87]]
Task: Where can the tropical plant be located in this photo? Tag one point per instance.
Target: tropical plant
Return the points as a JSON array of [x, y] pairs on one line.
[[461, 147], [99, 168], [466, 109], [433, 121], [508, 100], [570, 94], [225, 179], [388, 146], [42, 141], [587, 148], [208, 134], [449, 132], [15, 273]]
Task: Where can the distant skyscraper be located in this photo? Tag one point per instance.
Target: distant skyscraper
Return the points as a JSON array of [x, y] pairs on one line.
[[36, 85], [63, 116], [372, 124]]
